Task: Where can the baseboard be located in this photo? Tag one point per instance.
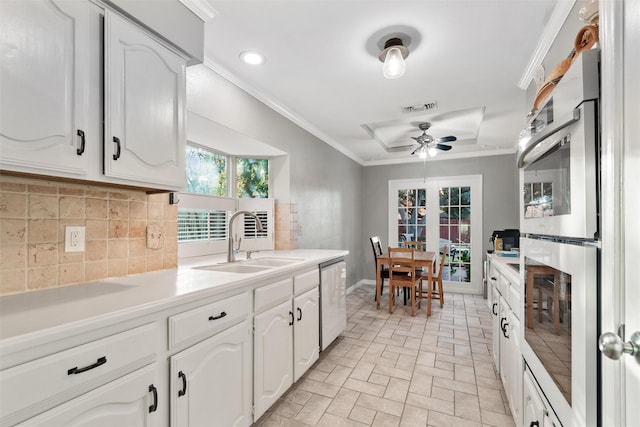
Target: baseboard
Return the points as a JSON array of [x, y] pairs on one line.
[[360, 283]]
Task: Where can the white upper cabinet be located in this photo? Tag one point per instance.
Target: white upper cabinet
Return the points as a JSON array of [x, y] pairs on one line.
[[53, 104], [144, 107], [44, 70]]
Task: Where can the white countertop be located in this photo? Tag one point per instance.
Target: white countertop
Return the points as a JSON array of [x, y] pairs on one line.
[[503, 262], [26, 316]]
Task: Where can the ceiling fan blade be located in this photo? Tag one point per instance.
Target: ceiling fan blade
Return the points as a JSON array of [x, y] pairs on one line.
[[446, 139], [443, 147]]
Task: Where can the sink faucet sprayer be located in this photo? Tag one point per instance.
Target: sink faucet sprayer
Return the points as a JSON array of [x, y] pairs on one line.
[[232, 251]]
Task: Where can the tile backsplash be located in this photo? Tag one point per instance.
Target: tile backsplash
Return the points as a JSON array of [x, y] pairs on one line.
[[127, 232]]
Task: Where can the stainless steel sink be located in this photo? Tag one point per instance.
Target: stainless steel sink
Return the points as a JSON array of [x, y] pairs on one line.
[[235, 267], [272, 262]]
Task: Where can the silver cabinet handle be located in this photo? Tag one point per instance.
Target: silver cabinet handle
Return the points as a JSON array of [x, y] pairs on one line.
[[612, 346]]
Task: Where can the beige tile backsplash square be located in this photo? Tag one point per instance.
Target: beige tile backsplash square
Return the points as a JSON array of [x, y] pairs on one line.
[[33, 217]]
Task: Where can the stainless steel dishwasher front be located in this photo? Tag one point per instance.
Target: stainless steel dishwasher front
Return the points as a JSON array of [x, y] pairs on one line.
[[333, 300]]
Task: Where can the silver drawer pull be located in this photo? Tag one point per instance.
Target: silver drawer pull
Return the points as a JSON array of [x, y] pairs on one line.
[[219, 316], [76, 370]]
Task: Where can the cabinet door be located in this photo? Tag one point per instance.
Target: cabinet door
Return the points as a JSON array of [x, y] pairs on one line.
[[516, 371], [130, 401], [144, 107], [306, 336], [273, 356], [496, 332], [533, 409], [504, 344], [212, 381], [44, 70]]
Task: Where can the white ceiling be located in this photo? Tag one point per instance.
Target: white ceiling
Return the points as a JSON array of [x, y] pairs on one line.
[[322, 69]]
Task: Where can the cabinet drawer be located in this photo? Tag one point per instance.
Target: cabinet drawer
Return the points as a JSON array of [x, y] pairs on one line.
[[50, 380], [269, 295], [209, 319], [306, 281]]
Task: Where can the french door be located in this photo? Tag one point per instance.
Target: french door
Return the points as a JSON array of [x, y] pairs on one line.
[[442, 212]]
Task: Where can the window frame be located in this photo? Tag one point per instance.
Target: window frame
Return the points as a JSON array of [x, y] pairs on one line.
[[230, 203]]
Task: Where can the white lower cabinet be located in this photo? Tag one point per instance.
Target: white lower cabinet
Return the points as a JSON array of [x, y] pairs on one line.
[[130, 401], [211, 381], [286, 337], [306, 332], [535, 412], [515, 365], [273, 360], [507, 355], [219, 361]]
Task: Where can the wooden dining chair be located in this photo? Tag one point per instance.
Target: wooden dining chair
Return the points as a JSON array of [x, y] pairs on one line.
[[376, 246], [414, 244], [403, 274], [434, 289]]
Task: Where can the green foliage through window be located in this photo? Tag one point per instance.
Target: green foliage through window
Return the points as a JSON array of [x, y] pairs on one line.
[[206, 172], [252, 178]]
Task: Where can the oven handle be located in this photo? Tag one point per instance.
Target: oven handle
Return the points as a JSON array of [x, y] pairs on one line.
[[532, 144]]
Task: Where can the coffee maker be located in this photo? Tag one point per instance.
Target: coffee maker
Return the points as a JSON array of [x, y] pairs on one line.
[[505, 240]]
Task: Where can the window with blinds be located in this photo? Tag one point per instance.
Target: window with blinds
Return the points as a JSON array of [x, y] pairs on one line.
[[202, 224], [250, 228]]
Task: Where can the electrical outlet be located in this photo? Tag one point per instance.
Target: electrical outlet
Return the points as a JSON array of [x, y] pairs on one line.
[[74, 239]]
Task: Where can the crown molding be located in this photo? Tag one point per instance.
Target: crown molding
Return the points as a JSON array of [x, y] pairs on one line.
[[201, 8], [557, 19]]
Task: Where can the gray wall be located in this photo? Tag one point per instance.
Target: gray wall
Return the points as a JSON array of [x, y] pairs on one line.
[[324, 183], [500, 195]]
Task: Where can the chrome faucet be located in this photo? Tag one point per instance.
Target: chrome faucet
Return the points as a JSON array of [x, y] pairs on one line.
[[232, 250]]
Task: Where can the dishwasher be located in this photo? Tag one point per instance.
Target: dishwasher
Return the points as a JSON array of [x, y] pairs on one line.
[[333, 300]]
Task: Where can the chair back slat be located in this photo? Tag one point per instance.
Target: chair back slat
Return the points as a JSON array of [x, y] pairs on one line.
[[376, 246], [417, 245], [445, 249], [401, 260]]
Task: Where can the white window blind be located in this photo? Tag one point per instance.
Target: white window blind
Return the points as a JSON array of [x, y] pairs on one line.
[[203, 224]]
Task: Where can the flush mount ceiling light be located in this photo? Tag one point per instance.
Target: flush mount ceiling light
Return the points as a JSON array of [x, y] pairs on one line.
[[393, 57], [252, 58]]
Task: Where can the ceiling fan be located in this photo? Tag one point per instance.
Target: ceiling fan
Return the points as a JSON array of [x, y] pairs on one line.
[[427, 144]]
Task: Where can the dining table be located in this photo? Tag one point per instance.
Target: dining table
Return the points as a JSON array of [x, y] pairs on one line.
[[424, 259]]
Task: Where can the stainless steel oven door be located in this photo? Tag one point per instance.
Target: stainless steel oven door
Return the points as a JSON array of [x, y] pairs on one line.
[[558, 179], [560, 325]]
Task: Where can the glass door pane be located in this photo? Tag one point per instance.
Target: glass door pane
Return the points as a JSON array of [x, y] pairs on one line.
[[455, 232], [412, 215]]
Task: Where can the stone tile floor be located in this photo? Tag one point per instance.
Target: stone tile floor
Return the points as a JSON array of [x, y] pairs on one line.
[[397, 370]]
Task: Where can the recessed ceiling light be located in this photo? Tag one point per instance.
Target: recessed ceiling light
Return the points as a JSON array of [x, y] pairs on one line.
[[252, 58]]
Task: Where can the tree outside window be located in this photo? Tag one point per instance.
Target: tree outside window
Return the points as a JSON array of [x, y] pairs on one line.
[[252, 178], [206, 172]]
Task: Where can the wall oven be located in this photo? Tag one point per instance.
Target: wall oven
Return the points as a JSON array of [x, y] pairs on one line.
[[558, 160]]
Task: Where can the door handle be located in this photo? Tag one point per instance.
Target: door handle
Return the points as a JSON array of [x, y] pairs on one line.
[[154, 406], [184, 384], [493, 309], [117, 141], [80, 150], [612, 346], [299, 314], [291, 318]]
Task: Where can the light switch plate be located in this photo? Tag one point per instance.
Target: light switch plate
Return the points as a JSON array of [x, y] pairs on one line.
[[74, 238]]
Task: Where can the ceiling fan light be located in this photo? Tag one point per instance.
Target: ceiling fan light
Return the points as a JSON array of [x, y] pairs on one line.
[[432, 151], [422, 153], [394, 65]]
